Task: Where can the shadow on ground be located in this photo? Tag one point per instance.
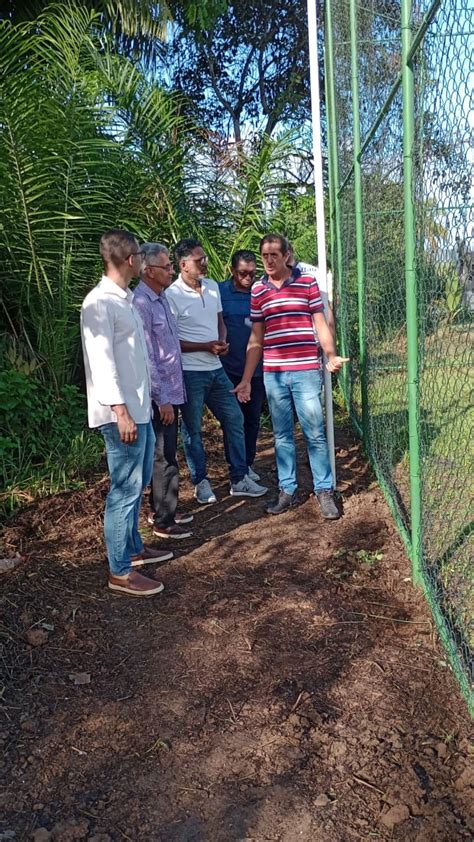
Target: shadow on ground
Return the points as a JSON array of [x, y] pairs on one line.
[[286, 686]]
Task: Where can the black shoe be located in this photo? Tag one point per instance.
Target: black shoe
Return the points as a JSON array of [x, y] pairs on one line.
[[327, 504], [285, 501]]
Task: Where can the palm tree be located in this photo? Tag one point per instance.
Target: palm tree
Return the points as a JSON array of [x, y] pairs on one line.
[[86, 142], [138, 27]]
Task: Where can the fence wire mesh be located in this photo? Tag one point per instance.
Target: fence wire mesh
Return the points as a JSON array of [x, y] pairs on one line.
[[440, 113]]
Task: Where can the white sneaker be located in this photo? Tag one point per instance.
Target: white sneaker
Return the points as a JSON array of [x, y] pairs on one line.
[[253, 475], [203, 492], [247, 488]]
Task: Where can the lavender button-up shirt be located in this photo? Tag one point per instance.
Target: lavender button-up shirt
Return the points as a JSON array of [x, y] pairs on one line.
[[161, 335]]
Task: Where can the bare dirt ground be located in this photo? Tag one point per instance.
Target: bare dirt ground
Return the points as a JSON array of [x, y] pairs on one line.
[[286, 686]]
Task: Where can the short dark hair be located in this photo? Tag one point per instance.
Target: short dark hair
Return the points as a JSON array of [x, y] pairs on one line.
[[116, 245], [276, 238], [185, 247], [243, 254]]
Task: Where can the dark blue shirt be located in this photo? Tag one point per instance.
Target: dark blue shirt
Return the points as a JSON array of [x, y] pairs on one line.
[[236, 314]]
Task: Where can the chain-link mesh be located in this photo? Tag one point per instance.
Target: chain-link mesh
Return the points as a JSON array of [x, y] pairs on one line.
[[442, 200]]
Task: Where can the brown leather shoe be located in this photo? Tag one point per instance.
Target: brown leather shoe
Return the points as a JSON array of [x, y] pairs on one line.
[[173, 531], [285, 501], [183, 517], [150, 555], [327, 504], [135, 585]]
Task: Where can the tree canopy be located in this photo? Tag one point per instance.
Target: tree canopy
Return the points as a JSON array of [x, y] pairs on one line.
[[247, 71]]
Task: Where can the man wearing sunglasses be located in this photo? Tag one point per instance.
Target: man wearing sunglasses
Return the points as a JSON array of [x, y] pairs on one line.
[[195, 301], [119, 405], [235, 297]]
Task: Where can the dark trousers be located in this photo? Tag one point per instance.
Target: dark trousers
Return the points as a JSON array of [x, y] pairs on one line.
[[251, 412], [165, 480]]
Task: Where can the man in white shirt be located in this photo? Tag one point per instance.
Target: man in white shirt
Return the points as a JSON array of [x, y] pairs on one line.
[[195, 301], [119, 405]]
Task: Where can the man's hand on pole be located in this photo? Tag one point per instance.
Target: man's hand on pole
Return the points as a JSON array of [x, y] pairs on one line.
[[335, 363]]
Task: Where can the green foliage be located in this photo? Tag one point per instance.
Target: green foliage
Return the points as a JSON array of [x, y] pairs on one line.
[[295, 218], [202, 14], [453, 294], [90, 140], [137, 27], [87, 143], [368, 557], [246, 70], [43, 439], [230, 204]]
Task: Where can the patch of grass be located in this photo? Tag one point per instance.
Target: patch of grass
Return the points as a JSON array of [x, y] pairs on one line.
[[365, 556], [446, 414], [45, 446], [61, 471]]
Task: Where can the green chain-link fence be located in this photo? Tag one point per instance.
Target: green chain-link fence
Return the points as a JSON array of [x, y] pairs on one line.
[[400, 113]]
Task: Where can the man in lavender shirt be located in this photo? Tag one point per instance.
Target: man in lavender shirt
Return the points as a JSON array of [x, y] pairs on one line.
[[167, 387]]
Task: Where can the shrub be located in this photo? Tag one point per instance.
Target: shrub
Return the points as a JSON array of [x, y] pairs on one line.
[[44, 441]]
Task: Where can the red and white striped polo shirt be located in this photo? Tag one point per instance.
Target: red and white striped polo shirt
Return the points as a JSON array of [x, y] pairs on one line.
[[290, 343]]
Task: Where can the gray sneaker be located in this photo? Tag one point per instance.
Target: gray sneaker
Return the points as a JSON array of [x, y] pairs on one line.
[[285, 501], [327, 504], [203, 492], [247, 488], [253, 475]]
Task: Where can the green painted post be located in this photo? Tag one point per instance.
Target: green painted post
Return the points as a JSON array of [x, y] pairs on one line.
[[411, 288], [338, 264], [359, 223]]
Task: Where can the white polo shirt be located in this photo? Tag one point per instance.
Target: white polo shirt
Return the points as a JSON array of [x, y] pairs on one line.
[[196, 314], [115, 355]]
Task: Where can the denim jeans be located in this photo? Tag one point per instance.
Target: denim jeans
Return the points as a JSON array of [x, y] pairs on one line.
[[301, 390], [251, 412], [130, 468], [212, 389]]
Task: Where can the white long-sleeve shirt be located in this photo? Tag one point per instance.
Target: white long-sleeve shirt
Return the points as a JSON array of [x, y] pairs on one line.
[[115, 355]]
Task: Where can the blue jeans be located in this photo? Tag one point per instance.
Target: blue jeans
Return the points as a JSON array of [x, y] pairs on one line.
[[301, 390], [212, 389], [130, 468], [251, 411]]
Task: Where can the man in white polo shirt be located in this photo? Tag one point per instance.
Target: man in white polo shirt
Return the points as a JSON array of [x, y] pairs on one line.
[[195, 301]]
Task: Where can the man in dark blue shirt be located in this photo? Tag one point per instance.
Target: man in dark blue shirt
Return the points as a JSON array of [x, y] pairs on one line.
[[235, 298]]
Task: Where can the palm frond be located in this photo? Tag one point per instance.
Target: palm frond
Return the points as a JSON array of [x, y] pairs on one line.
[[79, 148]]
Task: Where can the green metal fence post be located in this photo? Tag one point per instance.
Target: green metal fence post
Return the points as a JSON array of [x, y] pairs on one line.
[[411, 288], [359, 223], [338, 267]]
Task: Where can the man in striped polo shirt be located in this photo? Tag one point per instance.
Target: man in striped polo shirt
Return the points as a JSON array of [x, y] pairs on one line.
[[287, 312]]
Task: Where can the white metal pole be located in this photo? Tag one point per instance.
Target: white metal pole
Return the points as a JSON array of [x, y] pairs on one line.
[[319, 200]]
